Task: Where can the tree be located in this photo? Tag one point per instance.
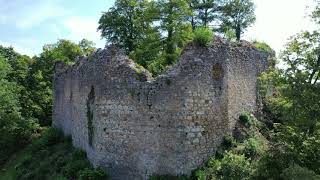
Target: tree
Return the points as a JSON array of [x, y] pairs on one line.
[[42, 71], [177, 32], [87, 46], [302, 56], [14, 129], [124, 23], [237, 15], [296, 101], [20, 69], [315, 15], [204, 11]]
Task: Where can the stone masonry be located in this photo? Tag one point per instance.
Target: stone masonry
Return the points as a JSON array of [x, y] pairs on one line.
[[136, 126]]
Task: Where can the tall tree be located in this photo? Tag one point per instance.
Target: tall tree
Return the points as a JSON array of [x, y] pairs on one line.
[[237, 15], [42, 70], [20, 68], [315, 15], [297, 100], [205, 11], [14, 130], [176, 30], [123, 24]]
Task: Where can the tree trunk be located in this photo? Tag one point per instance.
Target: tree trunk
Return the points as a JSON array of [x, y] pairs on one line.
[[238, 32], [192, 17], [205, 20], [170, 44]]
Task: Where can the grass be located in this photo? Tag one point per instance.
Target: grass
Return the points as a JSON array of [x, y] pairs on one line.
[[50, 157], [8, 171]]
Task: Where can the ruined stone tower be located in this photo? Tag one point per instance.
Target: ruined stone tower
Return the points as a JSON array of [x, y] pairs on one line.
[[136, 126]]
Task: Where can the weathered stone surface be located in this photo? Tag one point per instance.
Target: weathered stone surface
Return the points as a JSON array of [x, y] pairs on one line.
[[136, 126]]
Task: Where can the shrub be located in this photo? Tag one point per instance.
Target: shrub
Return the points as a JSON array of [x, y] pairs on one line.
[[262, 46], [92, 174], [203, 36], [71, 169], [228, 142], [167, 177], [201, 174], [50, 137], [156, 67], [296, 172], [235, 167], [52, 156], [246, 119], [253, 147]]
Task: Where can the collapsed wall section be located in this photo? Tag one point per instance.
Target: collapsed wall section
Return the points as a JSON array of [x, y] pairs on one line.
[[136, 126]]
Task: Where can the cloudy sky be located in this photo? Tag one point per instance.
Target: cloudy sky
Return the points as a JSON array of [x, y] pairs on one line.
[[29, 24]]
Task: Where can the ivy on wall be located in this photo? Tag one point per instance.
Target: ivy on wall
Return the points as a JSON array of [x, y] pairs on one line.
[[90, 104]]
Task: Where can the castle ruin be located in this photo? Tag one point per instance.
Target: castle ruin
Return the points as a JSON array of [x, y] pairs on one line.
[[136, 126]]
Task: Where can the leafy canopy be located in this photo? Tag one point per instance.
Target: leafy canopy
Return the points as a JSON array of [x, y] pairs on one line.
[[237, 15]]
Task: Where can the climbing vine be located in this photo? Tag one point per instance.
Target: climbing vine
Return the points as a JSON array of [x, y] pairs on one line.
[[90, 103]]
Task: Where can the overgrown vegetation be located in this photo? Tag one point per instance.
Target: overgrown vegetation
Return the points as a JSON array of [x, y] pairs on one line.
[[154, 33], [203, 36], [282, 144], [52, 157], [26, 91], [262, 46]]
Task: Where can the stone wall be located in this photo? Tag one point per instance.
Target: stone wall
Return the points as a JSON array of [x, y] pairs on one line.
[[136, 126]]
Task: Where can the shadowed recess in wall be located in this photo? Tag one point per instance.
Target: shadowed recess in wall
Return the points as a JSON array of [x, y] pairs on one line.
[[90, 108], [217, 72]]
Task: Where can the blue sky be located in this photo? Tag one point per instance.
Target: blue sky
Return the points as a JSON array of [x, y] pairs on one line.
[[29, 24]]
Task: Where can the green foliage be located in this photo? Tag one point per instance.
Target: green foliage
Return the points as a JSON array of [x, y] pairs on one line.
[[253, 147], [148, 51], [203, 36], [290, 145], [231, 166], [124, 24], [87, 47], [228, 142], [296, 172], [262, 46], [230, 34], [49, 138], [15, 131], [19, 72], [205, 12], [315, 15], [167, 177], [235, 167], [291, 100], [178, 31], [41, 74], [246, 119], [291, 93], [52, 156], [92, 174], [237, 15], [157, 67], [153, 33]]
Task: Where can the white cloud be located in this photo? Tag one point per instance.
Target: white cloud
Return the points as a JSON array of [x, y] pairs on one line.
[[20, 49], [83, 27], [25, 14], [36, 15]]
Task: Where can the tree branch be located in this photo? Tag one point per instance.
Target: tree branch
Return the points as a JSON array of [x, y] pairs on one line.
[[315, 70]]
